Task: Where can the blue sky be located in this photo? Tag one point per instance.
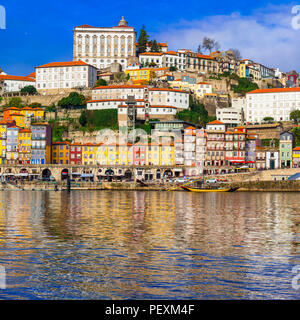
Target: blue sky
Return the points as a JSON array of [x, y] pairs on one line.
[[38, 32]]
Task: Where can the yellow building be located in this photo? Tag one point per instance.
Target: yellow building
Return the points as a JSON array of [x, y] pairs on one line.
[[154, 154], [22, 116], [89, 154], [296, 157], [19, 118], [125, 154], [167, 155], [60, 152], [141, 76], [242, 70], [37, 113], [3, 126], [24, 146]]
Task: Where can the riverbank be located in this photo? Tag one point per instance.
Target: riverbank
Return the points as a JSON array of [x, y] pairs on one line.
[[255, 186]]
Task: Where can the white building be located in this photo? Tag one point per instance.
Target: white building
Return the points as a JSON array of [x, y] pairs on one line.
[[165, 59], [14, 83], [150, 96], [230, 116], [276, 103], [103, 46], [56, 77]]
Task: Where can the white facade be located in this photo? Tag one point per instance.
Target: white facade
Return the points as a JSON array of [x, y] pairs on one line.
[[275, 103], [272, 159], [169, 97], [153, 96], [230, 116], [14, 83], [103, 46], [65, 75]]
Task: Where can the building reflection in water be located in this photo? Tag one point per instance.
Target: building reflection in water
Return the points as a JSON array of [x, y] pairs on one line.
[[137, 244]]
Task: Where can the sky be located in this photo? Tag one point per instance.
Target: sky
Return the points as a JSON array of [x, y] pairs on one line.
[[38, 32]]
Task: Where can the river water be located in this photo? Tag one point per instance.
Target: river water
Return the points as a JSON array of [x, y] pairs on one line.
[[149, 245]]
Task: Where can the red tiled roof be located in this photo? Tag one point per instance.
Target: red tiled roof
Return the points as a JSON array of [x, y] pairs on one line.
[[216, 122], [151, 54], [171, 52], [275, 90], [17, 78], [32, 75], [203, 56], [167, 89], [111, 100], [63, 64], [120, 87]]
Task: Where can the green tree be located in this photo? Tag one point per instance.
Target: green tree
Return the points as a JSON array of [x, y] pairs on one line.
[[295, 115], [15, 102], [268, 119], [296, 132], [29, 89], [142, 40], [152, 64], [172, 68], [154, 46], [83, 118], [73, 100], [197, 113], [35, 105], [244, 86], [101, 82]]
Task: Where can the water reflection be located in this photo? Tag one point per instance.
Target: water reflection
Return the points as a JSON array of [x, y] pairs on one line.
[[103, 245]]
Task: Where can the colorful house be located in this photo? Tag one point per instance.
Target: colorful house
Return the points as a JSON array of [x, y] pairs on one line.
[[141, 76], [3, 134], [296, 157], [75, 153], [60, 152], [24, 146], [89, 151], [286, 145], [41, 143], [12, 145]]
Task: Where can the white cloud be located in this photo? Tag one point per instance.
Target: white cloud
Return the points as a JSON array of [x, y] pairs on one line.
[[266, 35]]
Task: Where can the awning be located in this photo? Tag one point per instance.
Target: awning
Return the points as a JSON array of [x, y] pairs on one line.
[[22, 174], [76, 174], [8, 174], [178, 170], [87, 175]]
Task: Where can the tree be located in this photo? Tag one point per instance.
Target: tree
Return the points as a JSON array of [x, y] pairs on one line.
[[210, 44], [236, 54], [83, 119], [35, 105], [143, 40], [172, 68], [15, 102], [199, 49], [73, 100], [154, 46], [152, 64], [244, 86], [29, 89], [101, 82], [295, 115], [268, 119]]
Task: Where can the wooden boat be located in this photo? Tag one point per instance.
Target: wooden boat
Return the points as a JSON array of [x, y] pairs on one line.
[[209, 189]]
